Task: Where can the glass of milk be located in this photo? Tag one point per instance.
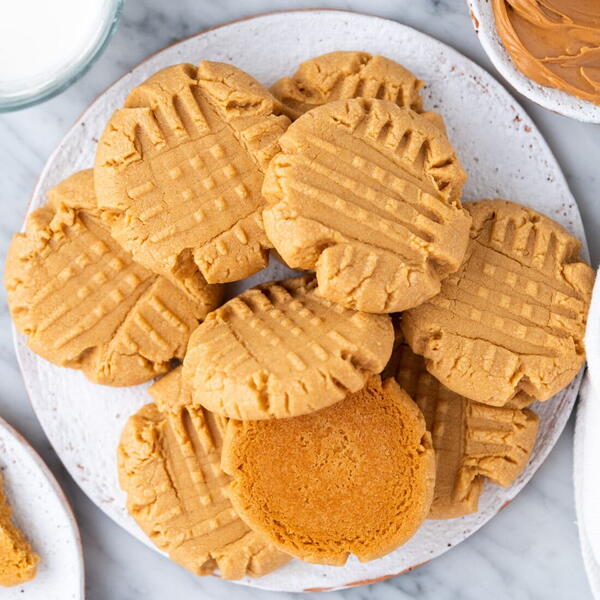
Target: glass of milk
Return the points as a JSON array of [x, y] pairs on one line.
[[46, 45]]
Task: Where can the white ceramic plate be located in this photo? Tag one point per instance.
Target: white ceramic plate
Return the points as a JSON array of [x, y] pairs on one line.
[[42, 512], [498, 144], [482, 15]]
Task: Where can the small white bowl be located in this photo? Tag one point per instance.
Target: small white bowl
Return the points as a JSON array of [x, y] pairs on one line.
[[482, 15]]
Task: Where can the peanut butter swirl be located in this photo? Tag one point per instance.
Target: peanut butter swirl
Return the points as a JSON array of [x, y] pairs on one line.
[[554, 42]]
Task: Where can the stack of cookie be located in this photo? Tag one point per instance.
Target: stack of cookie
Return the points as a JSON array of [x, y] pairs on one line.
[[274, 434]]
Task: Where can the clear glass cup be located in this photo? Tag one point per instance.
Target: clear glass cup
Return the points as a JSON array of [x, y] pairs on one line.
[[24, 93]]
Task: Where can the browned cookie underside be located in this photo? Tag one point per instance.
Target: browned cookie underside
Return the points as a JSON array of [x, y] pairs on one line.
[[356, 477]]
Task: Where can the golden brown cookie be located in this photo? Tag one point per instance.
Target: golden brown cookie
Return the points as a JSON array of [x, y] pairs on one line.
[[368, 195], [281, 350], [181, 168], [168, 460], [508, 326], [83, 303], [472, 441], [18, 562], [356, 477], [344, 75]]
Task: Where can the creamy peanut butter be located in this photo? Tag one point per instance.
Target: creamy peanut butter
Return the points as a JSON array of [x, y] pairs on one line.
[[554, 42]]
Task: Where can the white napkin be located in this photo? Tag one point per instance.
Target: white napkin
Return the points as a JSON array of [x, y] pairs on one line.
[[587, 450]]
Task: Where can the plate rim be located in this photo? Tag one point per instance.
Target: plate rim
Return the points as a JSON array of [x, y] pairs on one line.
[[553, 163], [49, 476]]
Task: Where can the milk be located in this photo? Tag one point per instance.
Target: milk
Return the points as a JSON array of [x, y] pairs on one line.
[[42, 41]]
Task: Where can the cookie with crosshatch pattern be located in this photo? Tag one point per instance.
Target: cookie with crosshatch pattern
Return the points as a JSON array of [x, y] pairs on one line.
[[84, 303], [343, 75], [472, 441], [281, 350], [350, 74], [507, 328], [169, 466], [367, 194], [180, 168]]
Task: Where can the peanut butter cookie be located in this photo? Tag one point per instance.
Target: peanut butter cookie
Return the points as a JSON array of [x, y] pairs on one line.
[[508, 327], [181, 168], [168, 460], [281, 350], [356, 477], [18, 562], [84, 303], [368, 195], [344, 75], [472, 441]]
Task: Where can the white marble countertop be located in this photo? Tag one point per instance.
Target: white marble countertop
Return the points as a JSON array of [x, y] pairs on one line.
[[529, 551]]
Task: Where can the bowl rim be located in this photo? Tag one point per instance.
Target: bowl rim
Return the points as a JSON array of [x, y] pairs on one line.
[[75, 71], [482, 17]]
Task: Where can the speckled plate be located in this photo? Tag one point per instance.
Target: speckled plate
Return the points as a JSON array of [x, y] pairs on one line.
[[42, 512], [501, 149], [482, 15]]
